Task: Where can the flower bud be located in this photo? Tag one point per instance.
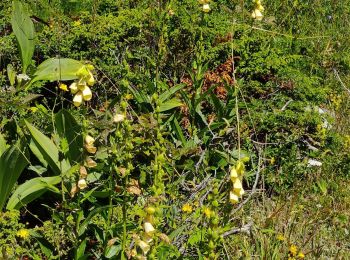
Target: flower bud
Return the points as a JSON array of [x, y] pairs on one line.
[[90, 80], [63, 87], [83, 172], [150, 210]]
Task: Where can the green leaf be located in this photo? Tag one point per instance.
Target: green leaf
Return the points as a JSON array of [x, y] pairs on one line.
[[112, 251], [178, 131], [164, 96], [79, 252], [55, 69], [68, 128], [172, 103], [3, 145], [12, 163], [31, 190], [46, 151], [23, 28], [81, 228]]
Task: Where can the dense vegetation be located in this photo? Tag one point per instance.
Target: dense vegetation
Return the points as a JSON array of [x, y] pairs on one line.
[[174, 129]]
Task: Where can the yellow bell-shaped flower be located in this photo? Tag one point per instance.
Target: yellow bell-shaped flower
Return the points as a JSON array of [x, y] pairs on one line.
[[149, 229], [256, 14], [87, 94], [78, 99], [82, 184], [144, 246], [233, 174], [90, 79], [73, 88], [237, 186], [233, 198], [206, 8]]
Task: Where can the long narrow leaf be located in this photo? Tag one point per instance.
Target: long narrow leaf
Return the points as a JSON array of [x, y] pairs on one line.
[[12, 163], [23, 28], [31, 190]]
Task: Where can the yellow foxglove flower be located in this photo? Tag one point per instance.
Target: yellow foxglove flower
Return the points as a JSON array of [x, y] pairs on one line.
[[90, 163], [90, 80], [256, 14], [73, 190], [118, 118], [82, 172], [73, 88], [260, 8], [90, 149], [233, 174], [87, 94], [144, 246], [149, 229], [233, 198], [89, 140], [63, 87], [237, 186], [82, 184], [82, 72], [23, 233], [206, 8], [78, 99]]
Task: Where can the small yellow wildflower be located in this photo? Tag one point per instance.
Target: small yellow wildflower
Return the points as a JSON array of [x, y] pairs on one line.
[[187, 208], [301, 255], [77, 23], [23, 233], [63, 87], [207, 212], [293, 250], [280, 237]]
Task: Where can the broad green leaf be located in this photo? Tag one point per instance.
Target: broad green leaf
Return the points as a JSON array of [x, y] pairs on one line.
[[167, 105], [68, 128], [12, 163], [55, 69], [23, 28], [31, 190], [79, 252], [46, 150]]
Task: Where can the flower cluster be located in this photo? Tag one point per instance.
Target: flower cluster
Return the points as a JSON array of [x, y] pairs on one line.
[[236, 176], [206, 7], [81, 87], [293, 253], [258, 10], [89, 162]]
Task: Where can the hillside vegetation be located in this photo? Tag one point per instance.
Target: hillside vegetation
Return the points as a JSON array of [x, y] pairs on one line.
[[174, 129]]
